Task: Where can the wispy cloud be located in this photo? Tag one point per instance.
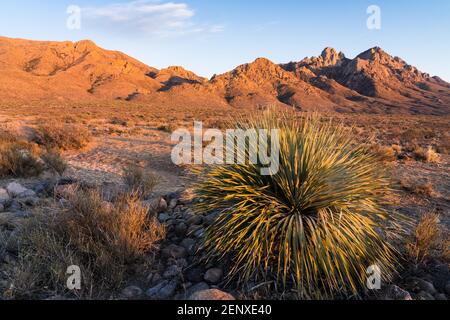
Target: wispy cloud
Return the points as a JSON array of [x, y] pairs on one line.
[[149, 16]]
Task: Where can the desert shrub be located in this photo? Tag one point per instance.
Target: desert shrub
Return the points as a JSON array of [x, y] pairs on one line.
[[426, 155], [139, 181], [425, 189], [119, 121], [428, 240], [54, 161], [169, 128], [104, 239], [385, 154], [18, 158], [62, 136], [314, 226]]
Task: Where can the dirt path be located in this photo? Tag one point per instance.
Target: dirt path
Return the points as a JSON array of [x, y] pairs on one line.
[[105, 160]]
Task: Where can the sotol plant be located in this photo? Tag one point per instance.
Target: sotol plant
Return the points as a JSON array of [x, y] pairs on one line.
[[315, 226]]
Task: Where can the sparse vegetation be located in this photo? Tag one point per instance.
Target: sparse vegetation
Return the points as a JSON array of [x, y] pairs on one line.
[[55, 162], [139, 180], [426, 155], [385, 154], [104, 239], [312, 227], [62, 136], [428, 240], [18, 158]]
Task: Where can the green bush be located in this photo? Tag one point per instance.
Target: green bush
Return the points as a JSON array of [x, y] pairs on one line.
[[313, 227]]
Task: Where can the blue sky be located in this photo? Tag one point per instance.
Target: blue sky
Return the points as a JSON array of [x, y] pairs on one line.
[[212, 36]]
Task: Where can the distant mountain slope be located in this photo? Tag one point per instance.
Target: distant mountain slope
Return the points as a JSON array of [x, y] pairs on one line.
[[373, 82]]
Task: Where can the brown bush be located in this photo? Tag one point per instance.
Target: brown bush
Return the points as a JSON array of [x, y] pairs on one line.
[[54, 161], [384, 153], [426, 155], [428, 239], [62, 136], [104, 239], [139, 181], [18, 158]]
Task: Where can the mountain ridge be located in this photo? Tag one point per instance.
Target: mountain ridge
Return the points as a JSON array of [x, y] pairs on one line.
[[372, 82]]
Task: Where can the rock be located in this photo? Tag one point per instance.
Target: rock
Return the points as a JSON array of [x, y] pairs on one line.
[[14, 189], [174, 251], [132, 292], [194, 275], [162, 206], [156, 278], [397, 293], [181, 229], [427, 286], [201, 286], [2, 207], [189, 245], [447, 288], [4, 196], [173, 203], [214, 275], [210, 219], [423, 295], [46, 187], [14, 206], [172, 272], [163, 217], [211, 295], [440, 296], [195, 220], [163, 291]]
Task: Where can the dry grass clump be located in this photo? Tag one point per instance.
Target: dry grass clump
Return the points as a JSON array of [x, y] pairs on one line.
[[139, 181], [312, 227], [425, 189], [426, 155], [428, 240], [18, 158], [55, 162], [62, 136], [104, 239], [385, 153]]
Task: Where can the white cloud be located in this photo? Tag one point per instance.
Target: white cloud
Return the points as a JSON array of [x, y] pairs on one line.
[[149, 16]]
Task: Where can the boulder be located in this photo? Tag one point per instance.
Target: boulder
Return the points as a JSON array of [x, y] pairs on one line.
[[181, 229], [447, 288], [172, 271], [189, 245], [194, 274], [163, 291], [211, 295], [174, 251], [16, 190], [397, 293], [423, 295], [213, 276]]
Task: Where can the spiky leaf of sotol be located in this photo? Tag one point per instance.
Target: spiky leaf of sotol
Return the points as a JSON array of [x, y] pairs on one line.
[[315, 225]]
